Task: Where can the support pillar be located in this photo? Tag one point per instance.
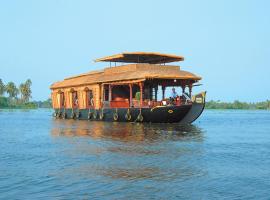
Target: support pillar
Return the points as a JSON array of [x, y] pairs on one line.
[[183, 86], [63, 102], [130, 95], [100, 96], [183, 89], [156, 91], [110, 92], [163, 92], [190, 89], [141, 94], [103, 92]]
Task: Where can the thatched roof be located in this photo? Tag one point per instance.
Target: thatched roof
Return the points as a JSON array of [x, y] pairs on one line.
[[126, 73], [141, 57]]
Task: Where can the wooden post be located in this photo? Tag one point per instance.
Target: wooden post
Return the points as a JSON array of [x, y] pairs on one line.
[[156, 91], [98, 96], [103, 92], [59, 99], [163, 92], [190, 89], [183, 89], [70, 99], [110, 92], [101, 95], [130, 95], [183, 86], [141, 94]]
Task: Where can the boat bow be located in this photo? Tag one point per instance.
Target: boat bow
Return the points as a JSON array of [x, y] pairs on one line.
[[198, 104]]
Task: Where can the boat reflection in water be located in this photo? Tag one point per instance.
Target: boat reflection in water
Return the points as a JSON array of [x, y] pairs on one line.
[[130, 151], [126, 131]]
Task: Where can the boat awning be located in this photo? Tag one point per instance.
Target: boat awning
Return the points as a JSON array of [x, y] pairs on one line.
[[141, 57]]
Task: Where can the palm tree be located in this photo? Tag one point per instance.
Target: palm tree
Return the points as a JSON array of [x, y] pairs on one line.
[[2, 87], [22, 91], [12, 90], [28, 82], [27, 88]]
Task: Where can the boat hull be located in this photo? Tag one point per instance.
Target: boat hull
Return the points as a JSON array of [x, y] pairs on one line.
[[185, 114], [161, 114]]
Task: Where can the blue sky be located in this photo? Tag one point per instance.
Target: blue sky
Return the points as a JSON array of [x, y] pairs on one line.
[[226, 42]]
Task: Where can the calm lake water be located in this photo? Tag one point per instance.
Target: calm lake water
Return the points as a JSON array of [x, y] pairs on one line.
[[224, 155]]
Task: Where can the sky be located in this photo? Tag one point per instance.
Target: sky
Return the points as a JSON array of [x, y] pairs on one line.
[[226, 42]]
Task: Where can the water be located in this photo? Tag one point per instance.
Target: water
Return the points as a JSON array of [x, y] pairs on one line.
[[224, 155]]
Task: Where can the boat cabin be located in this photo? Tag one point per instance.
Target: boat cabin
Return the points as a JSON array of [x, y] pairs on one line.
[[132, 80]]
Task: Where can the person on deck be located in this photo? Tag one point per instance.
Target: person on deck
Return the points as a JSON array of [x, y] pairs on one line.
[[174, 93], [173, 97], [138, 96]]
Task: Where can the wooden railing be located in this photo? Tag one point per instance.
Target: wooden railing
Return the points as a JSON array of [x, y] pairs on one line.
[[124, 103], [119, 104]]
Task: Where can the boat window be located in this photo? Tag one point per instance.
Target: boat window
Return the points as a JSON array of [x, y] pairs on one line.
[[89, 98], [75, 102], [106, 93], [62, 99]]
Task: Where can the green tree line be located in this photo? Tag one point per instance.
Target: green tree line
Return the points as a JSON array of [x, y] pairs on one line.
[[237, 105], [12, 96]]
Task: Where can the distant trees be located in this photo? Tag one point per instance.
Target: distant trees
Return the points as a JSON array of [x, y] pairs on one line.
[[2, 88], [25, 90], [9, 96], [44, 104], [237, 105], [12, 91]]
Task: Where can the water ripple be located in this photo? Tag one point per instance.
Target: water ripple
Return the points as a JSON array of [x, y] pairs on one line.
[[225, 156]]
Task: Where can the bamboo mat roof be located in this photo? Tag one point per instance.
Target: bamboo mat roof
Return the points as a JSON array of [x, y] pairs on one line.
[[125, 73], [141, 57]]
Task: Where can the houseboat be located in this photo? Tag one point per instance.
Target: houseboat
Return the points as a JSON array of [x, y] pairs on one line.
[[131, 89]]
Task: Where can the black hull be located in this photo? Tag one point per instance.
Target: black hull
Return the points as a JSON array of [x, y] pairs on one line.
[[161, 114]]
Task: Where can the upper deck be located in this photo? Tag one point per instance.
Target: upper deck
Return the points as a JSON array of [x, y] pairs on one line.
[[141, 57]]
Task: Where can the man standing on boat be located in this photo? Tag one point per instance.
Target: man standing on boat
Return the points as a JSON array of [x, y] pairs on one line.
[[173, 96], [174, 93]]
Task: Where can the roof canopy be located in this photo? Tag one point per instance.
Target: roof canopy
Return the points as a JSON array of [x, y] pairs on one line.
[[141, 57], [127, 74]]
